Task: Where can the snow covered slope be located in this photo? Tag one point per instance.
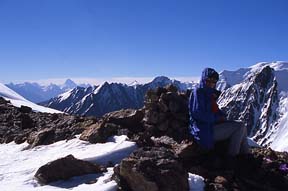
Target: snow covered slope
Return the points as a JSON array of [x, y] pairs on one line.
[[280, 138], [18, 100], [258, 96]]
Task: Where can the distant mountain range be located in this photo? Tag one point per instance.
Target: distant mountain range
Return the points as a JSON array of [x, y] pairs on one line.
[[39, 93], [107, 97]]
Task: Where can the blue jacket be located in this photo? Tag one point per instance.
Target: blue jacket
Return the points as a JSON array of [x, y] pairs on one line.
[[202, 119]]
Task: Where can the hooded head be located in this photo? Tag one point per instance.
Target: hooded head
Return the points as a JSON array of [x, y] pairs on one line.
[[208, 73]]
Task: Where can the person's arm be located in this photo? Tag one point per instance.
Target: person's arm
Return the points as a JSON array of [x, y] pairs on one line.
[[198, 107]]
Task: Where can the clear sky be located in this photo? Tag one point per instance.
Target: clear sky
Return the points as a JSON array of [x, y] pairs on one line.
[[41, 39]]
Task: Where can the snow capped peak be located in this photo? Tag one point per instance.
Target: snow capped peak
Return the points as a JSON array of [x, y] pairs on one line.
[[134, 83], [281, 72], [278, 65], [230, 78]]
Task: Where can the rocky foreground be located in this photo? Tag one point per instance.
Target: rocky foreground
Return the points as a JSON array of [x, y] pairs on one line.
[[166, 150]]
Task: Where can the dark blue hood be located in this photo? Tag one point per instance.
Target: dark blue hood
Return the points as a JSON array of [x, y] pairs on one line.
[[208, 73]]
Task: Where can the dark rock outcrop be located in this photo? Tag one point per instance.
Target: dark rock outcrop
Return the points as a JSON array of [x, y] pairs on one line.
[[22, 124], [65, 168], [152, 168], [25, 109]]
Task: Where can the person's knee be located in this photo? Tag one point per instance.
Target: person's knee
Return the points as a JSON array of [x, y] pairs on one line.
[[241, 128], [239, 125]]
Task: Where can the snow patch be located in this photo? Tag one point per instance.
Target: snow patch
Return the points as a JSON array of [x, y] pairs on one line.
[[65, 95], [18, 166], [280, 142], [196, 182]]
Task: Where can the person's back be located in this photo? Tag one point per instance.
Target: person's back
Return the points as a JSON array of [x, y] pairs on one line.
[[208, 123]]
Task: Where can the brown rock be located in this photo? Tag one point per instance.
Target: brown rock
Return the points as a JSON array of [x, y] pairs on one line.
[[128, 118], [43, 137], [187, 151], [99, 132], [220, 180], [65, 168]]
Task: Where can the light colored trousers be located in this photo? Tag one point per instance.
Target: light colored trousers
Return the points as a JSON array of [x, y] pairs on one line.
[[236, 133]]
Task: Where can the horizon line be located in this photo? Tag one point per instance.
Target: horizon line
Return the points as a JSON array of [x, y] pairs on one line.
[[98, 81]]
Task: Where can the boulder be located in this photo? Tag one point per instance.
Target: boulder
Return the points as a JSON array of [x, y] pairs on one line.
[[99, 132], [153, 169], [129, 119], [65, 168], [43, 137]]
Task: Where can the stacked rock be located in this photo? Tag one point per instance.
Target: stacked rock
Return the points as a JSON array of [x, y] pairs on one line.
[[166, 113]]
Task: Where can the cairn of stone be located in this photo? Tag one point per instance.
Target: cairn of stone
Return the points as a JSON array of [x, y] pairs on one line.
[[166, 113]]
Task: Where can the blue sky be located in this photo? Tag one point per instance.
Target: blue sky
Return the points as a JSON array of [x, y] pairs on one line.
[[44, 39]]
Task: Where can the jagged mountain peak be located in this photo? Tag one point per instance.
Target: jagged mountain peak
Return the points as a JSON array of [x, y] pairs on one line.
[[69, 84], [133, 83], [230, 78]]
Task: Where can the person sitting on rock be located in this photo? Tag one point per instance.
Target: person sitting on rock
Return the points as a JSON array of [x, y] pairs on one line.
[[208, 123]]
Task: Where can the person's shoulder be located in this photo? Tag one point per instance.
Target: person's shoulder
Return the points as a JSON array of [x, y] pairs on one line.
[[199, 90]]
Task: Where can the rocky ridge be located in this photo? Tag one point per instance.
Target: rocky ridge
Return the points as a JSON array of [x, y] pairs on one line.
[[22, 124]]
